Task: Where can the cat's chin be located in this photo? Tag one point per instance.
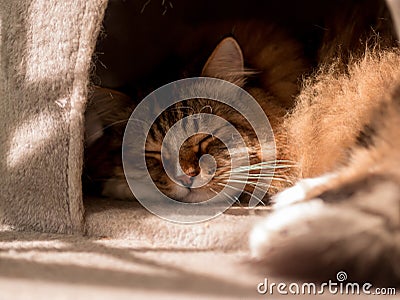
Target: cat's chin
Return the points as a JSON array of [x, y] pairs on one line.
[[195, 197]]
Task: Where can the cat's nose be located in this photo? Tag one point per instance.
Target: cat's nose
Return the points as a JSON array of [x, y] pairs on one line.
[[186, 180]]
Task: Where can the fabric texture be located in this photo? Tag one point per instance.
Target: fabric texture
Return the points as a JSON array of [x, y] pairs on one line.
[[126, 220], [45, 56], [53, 266]]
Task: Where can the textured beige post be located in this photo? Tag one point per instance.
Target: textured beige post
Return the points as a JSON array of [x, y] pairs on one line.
[[45, 54]]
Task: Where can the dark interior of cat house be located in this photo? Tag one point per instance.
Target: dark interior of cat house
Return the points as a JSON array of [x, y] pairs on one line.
[[147, 44]]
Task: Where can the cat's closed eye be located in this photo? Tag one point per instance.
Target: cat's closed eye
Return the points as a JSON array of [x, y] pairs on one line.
[[203, 144]]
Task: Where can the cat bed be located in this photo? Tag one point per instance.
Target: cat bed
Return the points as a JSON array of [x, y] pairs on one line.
[[46, 51]]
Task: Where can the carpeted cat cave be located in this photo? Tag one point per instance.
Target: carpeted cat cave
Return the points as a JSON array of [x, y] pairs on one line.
[[45, 67]]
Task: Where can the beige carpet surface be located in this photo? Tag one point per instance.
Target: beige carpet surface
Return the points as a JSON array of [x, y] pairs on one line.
[[129, 220], [51, 266]]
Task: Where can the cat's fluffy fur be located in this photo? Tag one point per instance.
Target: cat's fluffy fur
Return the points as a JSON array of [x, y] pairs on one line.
[[347, 124], [344, 135]]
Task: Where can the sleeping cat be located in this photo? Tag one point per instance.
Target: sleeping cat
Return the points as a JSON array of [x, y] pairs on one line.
[[341, 130], [278, 83]]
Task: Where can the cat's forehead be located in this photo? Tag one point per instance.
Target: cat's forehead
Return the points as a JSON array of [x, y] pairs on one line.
[[190, 107]]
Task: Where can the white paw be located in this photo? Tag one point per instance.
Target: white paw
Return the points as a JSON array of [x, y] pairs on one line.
[[289, 219], [299, 191], [283, 225]]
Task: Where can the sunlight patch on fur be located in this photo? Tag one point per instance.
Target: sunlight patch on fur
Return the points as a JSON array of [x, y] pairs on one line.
[[298, 192]]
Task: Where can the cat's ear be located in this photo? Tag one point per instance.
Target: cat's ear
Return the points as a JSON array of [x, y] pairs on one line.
[[226, 62]]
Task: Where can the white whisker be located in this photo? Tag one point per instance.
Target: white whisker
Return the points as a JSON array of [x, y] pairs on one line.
[[250, 175], [262, 175], [242, 191], [235, 199], [250, 183], [253, 176]]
